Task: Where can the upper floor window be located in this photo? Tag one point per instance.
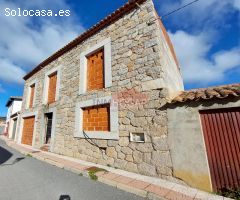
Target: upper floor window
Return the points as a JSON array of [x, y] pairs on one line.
[[95, 71], [52, 88], [51, 85], [95, 67], [32, 95]]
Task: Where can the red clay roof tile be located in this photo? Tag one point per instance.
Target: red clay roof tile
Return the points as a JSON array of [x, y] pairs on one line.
[[220, 92]]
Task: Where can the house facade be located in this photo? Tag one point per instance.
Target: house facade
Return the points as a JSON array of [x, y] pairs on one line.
[[14, 105], [98, 98]]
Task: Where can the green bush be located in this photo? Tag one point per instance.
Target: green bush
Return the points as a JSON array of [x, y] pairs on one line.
[[92, 172], [230, 193]]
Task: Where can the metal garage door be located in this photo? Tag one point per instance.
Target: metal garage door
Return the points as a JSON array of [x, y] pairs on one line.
[[28, 127], [221, 130]]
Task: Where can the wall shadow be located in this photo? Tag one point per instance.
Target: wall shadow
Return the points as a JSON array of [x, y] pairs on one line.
[[64, 197], [5, 155]]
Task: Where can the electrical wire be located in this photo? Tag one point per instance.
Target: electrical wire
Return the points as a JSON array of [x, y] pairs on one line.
[[178, 9]]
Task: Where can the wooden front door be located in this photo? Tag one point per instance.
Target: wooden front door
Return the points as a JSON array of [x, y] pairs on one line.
[[221, 130], [28, 128]]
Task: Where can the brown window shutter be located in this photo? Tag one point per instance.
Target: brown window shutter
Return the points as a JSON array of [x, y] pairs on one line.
[[95, 71], [96, 118], [32, 93], [52, 88]]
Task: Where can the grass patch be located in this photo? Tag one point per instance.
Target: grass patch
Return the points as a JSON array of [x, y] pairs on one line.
[[81, 174], [29, 155], [230, 193], [92, 172]]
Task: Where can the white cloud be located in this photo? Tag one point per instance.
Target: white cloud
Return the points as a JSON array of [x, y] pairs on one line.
[[236, 4], [200, 15], [197, 67], [26, 41], [10, 72]]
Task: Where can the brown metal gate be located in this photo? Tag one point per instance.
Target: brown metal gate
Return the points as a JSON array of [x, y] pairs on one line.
[[221, 130], [28, 128]]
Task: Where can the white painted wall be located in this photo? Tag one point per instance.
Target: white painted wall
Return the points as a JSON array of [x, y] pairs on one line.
[[14, 108], [186, 141]]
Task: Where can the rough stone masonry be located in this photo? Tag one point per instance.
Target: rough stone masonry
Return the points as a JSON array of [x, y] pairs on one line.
[[142, 62]]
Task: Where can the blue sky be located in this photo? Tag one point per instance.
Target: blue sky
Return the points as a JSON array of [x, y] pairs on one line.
[[206, 36]]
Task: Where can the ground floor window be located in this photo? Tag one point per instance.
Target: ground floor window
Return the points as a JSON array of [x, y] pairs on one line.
[[97, 118]]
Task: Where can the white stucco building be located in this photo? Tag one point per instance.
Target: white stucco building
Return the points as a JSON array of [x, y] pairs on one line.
[[14, 105]]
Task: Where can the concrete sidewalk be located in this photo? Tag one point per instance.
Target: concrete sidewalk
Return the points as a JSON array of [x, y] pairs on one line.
[[149, 187]]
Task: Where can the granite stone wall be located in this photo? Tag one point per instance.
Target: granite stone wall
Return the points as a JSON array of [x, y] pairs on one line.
[[141, 60]]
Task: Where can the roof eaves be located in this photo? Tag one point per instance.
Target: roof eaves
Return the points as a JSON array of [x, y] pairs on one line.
[[93, 30]]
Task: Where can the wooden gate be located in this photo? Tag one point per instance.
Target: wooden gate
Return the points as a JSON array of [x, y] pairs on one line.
[[221, 130], [28, 128]]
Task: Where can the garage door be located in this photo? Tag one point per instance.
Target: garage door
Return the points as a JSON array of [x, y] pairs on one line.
[[221, 130], [28, 127]]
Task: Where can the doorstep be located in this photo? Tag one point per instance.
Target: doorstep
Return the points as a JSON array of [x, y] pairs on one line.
[[145, 186]]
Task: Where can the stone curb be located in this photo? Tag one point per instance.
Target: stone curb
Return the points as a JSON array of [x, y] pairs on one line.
[[151, 192]]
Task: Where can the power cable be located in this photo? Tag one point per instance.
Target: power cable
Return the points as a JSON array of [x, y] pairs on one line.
[[178, 9]]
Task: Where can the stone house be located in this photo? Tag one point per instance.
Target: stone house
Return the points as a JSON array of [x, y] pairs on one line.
[[204, 137], [98, 97], [114, 96], [14, 105]]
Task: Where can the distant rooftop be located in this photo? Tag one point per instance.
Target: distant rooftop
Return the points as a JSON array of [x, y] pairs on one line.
[[2, 118], [219, 92], [13, 98]]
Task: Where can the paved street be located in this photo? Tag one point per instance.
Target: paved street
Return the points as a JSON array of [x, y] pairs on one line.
[[25, 178]]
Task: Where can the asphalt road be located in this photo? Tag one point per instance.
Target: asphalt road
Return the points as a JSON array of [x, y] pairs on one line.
[[25, 178]]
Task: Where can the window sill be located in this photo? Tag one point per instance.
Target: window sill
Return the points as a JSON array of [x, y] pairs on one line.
[[106, 135], [90, 92]]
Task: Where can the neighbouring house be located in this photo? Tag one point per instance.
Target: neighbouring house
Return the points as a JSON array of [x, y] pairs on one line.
[[2, 124], [14, 105], [204, 137], [104, 98]]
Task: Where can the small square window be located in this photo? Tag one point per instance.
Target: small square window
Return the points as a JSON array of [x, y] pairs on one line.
[[137, 137]]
